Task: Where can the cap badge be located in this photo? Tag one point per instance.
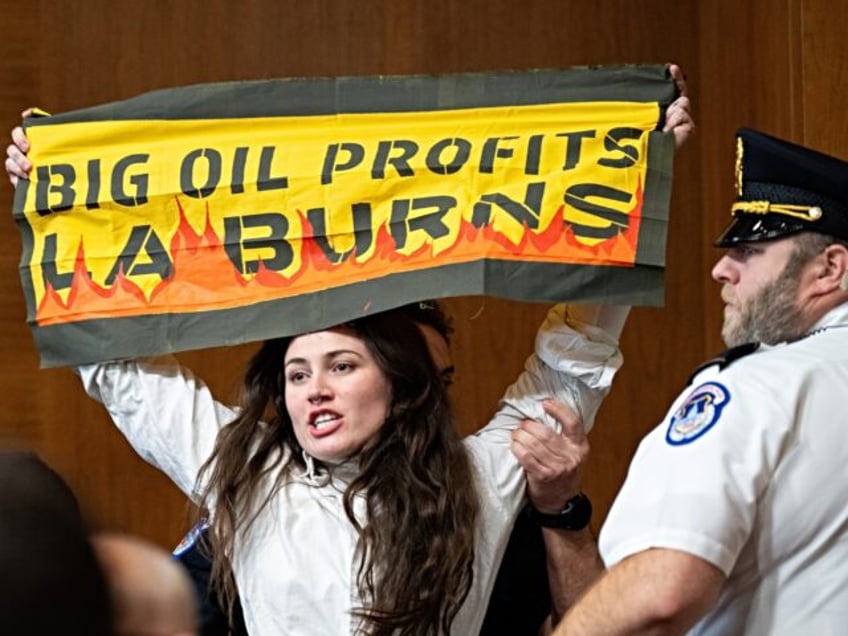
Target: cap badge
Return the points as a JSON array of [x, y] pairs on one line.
[[738, 172]]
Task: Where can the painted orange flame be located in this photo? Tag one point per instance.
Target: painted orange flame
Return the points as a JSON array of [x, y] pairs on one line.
[[203, 278]]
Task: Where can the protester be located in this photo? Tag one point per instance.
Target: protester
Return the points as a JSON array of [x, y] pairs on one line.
[[521, 598], [330, 470], [732, 519]]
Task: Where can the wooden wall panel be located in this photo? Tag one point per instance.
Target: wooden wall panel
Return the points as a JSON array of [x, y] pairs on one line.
[[21, 423], [747, 78], [772, 65], [823, 60]]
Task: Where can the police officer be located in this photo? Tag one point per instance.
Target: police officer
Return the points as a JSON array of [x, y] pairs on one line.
[[732, 519]]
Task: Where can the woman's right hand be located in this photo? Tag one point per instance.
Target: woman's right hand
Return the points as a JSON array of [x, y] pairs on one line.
[[18, 166]]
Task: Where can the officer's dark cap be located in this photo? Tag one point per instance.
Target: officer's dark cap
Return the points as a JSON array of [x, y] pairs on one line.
[[783, 188]]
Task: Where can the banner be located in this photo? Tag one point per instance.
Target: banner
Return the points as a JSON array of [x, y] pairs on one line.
[[225, 213]]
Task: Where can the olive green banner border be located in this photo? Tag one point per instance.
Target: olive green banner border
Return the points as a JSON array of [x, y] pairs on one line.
[[114, 338]]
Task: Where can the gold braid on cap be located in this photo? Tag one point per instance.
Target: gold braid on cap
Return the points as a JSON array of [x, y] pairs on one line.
[[804, 212]]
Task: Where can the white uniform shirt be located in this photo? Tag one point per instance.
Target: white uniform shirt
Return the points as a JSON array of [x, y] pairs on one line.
[[296, 569], [749, 471]]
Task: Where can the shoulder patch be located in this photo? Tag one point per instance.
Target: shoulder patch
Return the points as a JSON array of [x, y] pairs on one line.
[[726, 358], [698, 413]]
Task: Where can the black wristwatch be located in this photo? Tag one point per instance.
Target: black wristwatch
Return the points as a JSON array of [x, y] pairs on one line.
[[575, 516]]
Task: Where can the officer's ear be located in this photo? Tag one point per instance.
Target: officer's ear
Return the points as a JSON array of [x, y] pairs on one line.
[[833, 274]]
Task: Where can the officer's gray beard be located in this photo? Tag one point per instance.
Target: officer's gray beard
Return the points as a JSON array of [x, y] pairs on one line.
[[772, 315]]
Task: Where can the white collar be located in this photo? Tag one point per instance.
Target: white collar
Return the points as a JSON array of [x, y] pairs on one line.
[[836, 317]]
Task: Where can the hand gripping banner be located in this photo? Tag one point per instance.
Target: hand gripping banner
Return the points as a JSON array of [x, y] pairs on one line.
[[225, 213]]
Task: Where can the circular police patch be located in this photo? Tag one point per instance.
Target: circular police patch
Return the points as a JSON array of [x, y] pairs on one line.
[[697, 414]]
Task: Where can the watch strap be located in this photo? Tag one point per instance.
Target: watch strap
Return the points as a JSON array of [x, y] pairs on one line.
[[575, 515]]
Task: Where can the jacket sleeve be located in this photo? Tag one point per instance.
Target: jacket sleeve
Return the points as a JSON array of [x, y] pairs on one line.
[[576, 358], [167, 414]]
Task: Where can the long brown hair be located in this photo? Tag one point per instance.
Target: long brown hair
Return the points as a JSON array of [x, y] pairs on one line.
[[416, 478]]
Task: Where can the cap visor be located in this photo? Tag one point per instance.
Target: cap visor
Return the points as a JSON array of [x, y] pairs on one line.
[[747, 228]]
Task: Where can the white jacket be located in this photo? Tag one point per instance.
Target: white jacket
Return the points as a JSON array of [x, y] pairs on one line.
[[296, 569]]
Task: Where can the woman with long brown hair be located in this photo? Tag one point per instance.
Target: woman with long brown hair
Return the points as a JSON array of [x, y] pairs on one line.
[[361, 408], [342, 500]]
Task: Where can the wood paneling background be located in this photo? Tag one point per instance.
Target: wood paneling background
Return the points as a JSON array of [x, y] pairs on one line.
[[776, 65]]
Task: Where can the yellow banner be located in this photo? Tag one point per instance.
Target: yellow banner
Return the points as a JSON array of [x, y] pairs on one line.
[[205, 201], [129, 206]]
